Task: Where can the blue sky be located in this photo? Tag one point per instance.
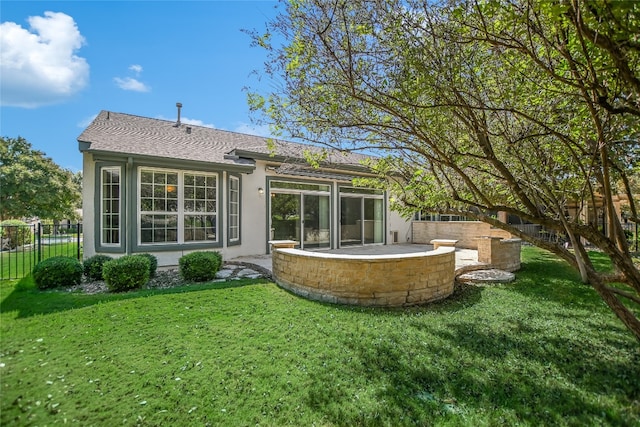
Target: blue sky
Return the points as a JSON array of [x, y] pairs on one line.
[[64, 61]]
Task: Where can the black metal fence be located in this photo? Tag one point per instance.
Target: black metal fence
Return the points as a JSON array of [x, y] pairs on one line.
[[630, 230], [24, 246]]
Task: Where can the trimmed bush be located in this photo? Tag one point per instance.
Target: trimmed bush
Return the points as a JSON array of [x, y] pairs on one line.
[[200, 266], [126, 273], [93, 266], [56, 272], [15, 233], [153, 263]]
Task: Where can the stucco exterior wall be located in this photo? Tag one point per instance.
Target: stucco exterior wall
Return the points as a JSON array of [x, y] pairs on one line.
[[465, 232], [254, 216], [88, 206], [381, 280]]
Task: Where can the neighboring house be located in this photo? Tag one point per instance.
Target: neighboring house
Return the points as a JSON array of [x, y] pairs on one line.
[[169, 188]]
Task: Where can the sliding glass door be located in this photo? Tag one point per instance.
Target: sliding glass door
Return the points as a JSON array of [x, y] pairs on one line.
[[361, 216], [350, 221], [301, 212], [373, 221], [285, 216], [316, 222]]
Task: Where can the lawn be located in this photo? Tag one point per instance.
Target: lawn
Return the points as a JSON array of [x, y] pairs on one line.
[[541, 351]]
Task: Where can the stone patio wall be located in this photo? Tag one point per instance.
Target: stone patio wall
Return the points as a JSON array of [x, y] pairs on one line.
[[503, 254], [465, 232], [379, 280]]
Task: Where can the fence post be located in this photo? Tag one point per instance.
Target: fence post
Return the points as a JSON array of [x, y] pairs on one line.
[[38, 239], [78, 239]]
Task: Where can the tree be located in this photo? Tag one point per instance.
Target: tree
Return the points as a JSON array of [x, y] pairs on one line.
[[32, 185], [526, 107]]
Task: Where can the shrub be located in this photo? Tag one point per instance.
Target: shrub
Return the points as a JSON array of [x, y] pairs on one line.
[[56, 272], [15, 232], [200, 266], [93, 266], [126, 273], [153, 263]]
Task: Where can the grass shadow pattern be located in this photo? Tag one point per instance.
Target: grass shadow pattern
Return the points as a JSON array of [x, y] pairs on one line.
[[249, 353]]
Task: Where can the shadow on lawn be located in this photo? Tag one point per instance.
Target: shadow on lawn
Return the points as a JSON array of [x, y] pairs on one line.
[[565, 368], [29, 301], [468, 371], [546, 277]]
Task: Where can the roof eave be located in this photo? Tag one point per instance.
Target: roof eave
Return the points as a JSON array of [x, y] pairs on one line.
[[99, 155], [296, 160]]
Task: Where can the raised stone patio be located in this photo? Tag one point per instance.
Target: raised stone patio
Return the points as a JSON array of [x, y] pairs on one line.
[[467, 267]]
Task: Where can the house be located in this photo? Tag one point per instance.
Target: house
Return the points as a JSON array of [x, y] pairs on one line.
[[168, 188]]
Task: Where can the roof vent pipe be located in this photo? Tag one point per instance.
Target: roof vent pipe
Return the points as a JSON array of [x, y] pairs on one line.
[[179, 105]]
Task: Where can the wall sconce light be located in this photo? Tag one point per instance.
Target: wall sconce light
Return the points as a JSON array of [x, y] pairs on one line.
[[261, 191]]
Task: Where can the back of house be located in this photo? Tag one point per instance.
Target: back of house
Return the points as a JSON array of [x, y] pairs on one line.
[[169, 188]]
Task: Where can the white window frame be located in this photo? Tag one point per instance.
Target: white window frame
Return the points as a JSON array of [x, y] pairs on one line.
[[102, 207], [234, 237], [181, 213]]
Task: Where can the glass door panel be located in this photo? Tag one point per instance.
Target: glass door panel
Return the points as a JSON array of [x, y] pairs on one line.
[[285, 216], [373, 221], [350, 221], [317, 233]]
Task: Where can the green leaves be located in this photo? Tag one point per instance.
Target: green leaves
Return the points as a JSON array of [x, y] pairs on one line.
[[32, 185], [525, 107]]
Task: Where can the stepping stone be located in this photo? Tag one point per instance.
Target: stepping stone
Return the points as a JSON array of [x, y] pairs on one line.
[[224, 273], [247, 272], [487, 276]]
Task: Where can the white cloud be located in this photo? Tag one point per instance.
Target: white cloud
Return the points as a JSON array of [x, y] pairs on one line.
[[129, 83], [249, 129], [86, 121], [136, 69], [39, 65], [188, 121], [195, 122]]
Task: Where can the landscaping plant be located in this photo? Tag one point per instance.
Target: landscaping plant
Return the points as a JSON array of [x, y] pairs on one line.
[[153, 263], [93, 266], [56, 272], [126, 273], [200, 266]]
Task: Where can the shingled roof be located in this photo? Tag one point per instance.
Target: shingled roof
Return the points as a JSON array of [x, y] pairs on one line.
[[130, 135]]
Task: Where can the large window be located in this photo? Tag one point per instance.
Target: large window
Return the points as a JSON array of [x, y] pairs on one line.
[[234, 209], [110, 206], [177, 207], [426, 216]]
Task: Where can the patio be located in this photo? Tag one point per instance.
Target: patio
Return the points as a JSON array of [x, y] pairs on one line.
[[464, 257]]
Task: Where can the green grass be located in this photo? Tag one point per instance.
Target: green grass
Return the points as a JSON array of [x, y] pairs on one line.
[[542, 351]]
